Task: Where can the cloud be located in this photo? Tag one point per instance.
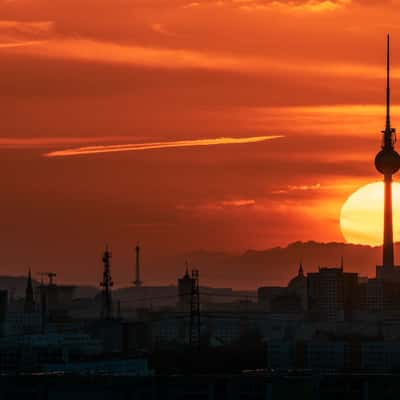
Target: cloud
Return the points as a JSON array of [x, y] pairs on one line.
[[276, 5], [113, 53], [344, 119], [97, 51], [305, 187], [22, 27], [193, 4], [238, 203], [219, 205], [160, 28], [292, 5], [298, 188], [157, 145], [20, 33], [20, 143], [15, 44]]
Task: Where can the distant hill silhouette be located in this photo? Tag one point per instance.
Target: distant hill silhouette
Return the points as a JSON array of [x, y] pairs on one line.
[[276, 266]]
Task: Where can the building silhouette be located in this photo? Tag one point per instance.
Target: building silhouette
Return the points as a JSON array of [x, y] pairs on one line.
[[332, 294], [185, 285], [298, 286], [29, 306]]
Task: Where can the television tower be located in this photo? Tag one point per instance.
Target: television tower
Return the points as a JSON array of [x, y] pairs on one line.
[[106, 284], [387, 162], [137, 282]]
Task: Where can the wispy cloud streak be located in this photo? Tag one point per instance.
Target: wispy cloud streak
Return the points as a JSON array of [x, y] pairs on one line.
[[22, 34], [157, 145], [32, 142], [89, 50], [20, 44]]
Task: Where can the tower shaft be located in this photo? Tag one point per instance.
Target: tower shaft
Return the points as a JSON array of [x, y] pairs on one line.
[[388, 255]]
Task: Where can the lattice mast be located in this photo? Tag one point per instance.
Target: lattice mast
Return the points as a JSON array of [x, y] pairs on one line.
[[106, 284]]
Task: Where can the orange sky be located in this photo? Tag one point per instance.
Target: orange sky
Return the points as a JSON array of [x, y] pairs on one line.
[[114, 72]]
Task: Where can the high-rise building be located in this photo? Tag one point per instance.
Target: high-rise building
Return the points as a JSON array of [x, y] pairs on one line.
[[332, 294]]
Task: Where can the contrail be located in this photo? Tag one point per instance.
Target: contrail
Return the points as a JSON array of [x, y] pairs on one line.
[[79, 151]]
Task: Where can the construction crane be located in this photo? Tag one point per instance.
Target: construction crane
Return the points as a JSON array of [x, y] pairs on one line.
[[50, 275]]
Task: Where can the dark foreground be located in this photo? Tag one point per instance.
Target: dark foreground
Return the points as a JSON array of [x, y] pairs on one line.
[[235, 387]]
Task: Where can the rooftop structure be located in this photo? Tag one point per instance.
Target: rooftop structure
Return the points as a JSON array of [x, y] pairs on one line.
[[29, 305]]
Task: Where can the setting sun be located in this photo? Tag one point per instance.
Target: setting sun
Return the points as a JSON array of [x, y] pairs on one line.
[[361, 217]]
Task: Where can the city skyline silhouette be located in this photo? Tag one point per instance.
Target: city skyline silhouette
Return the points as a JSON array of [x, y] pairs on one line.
[[167, 79], [198, 200]]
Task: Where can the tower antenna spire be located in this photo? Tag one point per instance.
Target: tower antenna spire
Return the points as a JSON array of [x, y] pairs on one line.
[[388, 130]]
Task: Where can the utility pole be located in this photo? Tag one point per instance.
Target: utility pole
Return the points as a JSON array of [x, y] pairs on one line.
[[106, 284], [137, 282]]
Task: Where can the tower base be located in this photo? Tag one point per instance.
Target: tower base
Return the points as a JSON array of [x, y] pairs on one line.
[[385, 273]]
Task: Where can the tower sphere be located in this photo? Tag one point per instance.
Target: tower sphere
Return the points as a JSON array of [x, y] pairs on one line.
[[387, 161]]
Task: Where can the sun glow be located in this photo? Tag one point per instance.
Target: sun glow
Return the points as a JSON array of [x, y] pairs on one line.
[[361, 217]]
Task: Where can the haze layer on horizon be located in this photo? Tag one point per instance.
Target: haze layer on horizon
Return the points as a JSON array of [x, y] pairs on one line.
[[112, 72]]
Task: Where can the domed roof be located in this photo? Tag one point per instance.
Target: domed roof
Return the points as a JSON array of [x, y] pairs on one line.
[[299, 280]]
